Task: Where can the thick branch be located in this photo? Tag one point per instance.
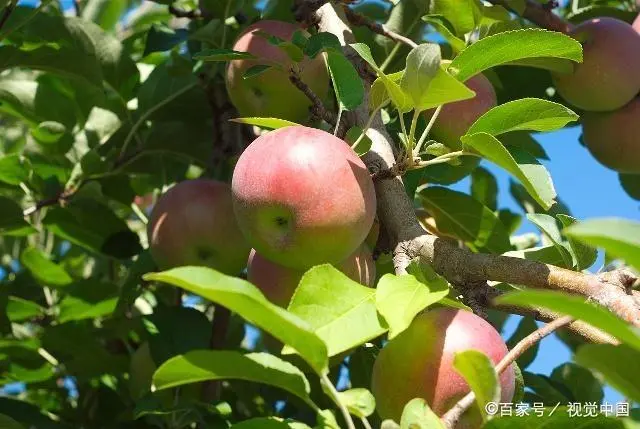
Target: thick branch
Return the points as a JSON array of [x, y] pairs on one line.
[[540, 14], [451, 417], [362, 21]]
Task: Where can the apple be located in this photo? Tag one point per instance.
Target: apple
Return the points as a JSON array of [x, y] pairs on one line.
[[193, 224], [271, 93], [455, 118], [418, 363], [609, 75], [302, 197], [278, 283]]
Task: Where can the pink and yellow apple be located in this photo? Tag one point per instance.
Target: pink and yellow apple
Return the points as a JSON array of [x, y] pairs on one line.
[[418, 363], [609, 75], [455, 118], [278, 283], [193, 224], [271, 93], [303, 197]]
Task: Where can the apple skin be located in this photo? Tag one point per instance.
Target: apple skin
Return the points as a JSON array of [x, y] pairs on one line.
[[609, 76], [455, 118], [193, 224], [613, 137], [302, 197], [278, 283], [636, 23], [271, 94], [418, 363]]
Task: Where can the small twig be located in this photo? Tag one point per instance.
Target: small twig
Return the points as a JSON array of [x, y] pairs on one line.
[[7, 12], [317, 107], [451, 417], [540, 14], [211, 390], [362, 21]]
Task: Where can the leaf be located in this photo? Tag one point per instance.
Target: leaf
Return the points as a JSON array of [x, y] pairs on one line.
[[400, 99], [577, 308], [245, 299], [547, 254], [583, 256], [212, 55], [341, 323], [423, 63], [461, 216], [19, 309], [400, 298], [268, 423], [365, 53], [478, 371], [360, 402], [464, 15], [271, 123], [418, 415], [526, 326], [13, 170], [522, 165], [88, 299], [619, 365], [255, 70], [441, 25], [515, 45], [619, 237], [347, 84], [531, 114], [584, 386], [45, 271], [12, 220], [547, 224], [484, 188], [323, 41], [203, 365], [7, 422]]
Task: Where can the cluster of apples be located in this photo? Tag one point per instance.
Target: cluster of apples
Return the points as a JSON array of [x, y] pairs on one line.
[[300, 197], [606, 85]]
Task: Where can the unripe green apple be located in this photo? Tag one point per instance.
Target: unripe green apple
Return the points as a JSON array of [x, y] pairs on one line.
[[303, 197], [418, 363], [613, 137], [271, 93], [278, 283], [193, 224], [455, 118], [609, 75]]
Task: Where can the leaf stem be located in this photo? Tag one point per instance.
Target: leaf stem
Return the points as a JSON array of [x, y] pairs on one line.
[[365, 423], [335, 396], [367, 126], [412, 130], [427, 130]]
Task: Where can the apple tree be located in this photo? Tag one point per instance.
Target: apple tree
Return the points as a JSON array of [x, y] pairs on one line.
[[247, 214]]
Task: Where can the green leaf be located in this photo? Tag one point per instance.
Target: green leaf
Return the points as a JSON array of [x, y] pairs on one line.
[[105, 13], [584, 386], [88, 299], [202, 365], [212, 55], [323, 41], [522, 165], [484, 188], [418, 415], [423, 63], [19, 309], [508, 46], [631, 184], [48, 132], [526, 326], [478, 371], [365, 53], [531, 114], [360, 402], [400, 298], [619, 237], [577, 308], [7, 422], [13, 170], [342, 323], [271, 123], [245, 299], [347, 84], [269, 423], [441, 25], [583, 256], [45, 271], [464, 15], [458, 214], [255, 70], [548, 225], [547, 254], [400, 98], [619, 365], [12, 219]]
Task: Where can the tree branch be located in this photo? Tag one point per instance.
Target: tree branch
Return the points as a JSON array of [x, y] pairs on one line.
[[451, 417], [460, 266], [540, 14], [211, 390], [362, 21], [317, 107]]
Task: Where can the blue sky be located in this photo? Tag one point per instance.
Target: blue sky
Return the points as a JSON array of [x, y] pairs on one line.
[[589, 189]]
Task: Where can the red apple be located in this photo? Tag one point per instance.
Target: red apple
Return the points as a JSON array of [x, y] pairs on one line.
[[609, 75], [193, 224], [303, 197], [418, 363], [271, 93], [278, 283]]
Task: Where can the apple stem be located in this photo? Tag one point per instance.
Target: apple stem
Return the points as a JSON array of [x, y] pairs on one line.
[[335, 396]]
